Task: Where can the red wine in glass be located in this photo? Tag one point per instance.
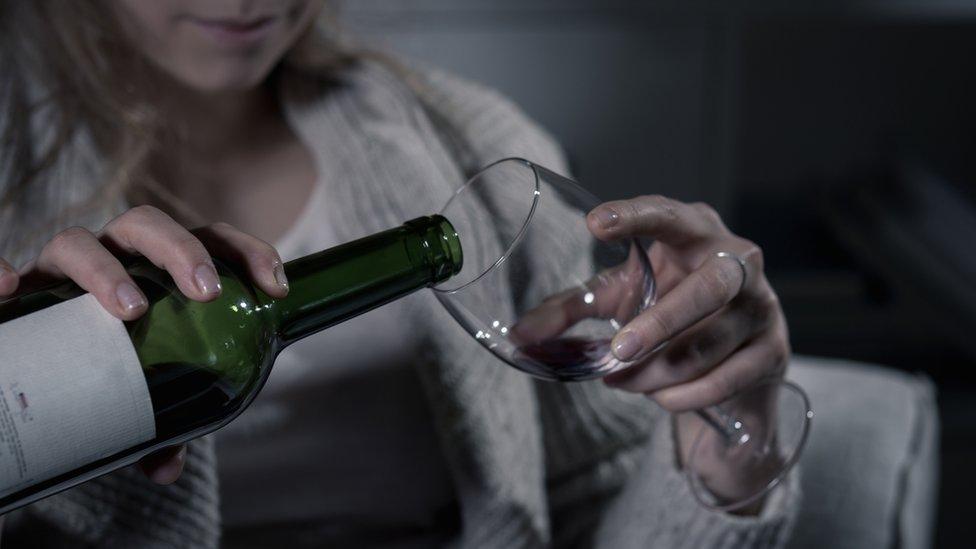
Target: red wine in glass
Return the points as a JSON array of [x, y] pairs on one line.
[[566, 358], [528, 250]]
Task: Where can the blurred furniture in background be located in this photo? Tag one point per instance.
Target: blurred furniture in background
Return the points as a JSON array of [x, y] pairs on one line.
[[797, 120], [870, 466]]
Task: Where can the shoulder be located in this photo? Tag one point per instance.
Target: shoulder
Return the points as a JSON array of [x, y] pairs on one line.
[[478, 122], [489, 122]]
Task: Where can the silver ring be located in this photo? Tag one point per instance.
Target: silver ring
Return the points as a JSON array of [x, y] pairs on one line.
[[742, 265]]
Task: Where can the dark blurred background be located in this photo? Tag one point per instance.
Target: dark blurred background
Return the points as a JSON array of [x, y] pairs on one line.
[[837, 134]]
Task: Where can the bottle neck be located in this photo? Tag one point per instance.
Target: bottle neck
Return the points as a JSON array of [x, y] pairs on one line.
[[339, 283]]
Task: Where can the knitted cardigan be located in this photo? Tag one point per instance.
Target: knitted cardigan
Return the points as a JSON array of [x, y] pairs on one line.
[[534, 463]]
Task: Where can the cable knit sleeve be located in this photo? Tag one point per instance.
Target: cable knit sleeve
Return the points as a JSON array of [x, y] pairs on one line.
[[125, 509], [603, 448]]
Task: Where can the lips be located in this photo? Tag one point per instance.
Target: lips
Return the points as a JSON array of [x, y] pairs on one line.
[[236, 25], [238, 32]]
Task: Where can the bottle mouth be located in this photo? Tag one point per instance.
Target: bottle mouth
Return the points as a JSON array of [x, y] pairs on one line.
[[517, 223], [450, 243], [441, 246]]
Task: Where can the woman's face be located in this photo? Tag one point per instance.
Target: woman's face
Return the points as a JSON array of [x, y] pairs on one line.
[[215, 45]]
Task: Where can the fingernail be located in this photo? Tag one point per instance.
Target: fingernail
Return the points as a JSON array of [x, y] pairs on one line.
[[626, 345], [206, 279], [130, 298], [606, 217], [279, 275]]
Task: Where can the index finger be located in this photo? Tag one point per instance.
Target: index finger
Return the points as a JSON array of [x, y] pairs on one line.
[[670, 221], [168, 245], [702, 293]]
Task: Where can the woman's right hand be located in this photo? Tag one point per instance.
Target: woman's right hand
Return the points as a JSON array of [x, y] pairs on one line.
[[90, 261]]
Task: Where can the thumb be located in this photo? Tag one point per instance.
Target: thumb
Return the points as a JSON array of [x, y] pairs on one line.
[[164, 466]]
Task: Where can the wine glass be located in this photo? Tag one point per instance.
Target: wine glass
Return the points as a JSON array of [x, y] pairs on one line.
[[541, 293]]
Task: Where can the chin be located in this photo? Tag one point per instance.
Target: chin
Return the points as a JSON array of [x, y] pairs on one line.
[[226, 77]]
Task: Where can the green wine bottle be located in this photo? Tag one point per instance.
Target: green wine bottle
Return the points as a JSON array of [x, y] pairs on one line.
[[82, 393]]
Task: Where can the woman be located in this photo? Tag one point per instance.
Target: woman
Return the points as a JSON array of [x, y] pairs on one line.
[[129, 120]]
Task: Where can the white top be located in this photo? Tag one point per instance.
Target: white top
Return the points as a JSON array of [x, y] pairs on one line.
[[340, 442]]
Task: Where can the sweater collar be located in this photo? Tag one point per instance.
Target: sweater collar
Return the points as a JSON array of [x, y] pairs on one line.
[[382, 164]]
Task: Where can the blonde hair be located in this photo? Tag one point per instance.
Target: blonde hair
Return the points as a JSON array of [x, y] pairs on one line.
[[69, 59]]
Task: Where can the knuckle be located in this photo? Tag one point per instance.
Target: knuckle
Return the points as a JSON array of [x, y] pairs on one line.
[[769, 309], [264, 254], [707, 212], [143, 214], [632, 210], [65, 240], [781, 351], [187, 248], [221, 227], [662, 204], [754, 256], [125, 225], [147, 210], [769, 299]]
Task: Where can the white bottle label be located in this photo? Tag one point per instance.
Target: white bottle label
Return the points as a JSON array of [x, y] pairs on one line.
[[71, 392]]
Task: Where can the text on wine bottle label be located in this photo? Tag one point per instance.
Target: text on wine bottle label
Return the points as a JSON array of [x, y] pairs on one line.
[[71, 392]]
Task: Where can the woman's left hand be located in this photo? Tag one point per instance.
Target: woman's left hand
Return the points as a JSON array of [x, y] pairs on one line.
[[723, 324]]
